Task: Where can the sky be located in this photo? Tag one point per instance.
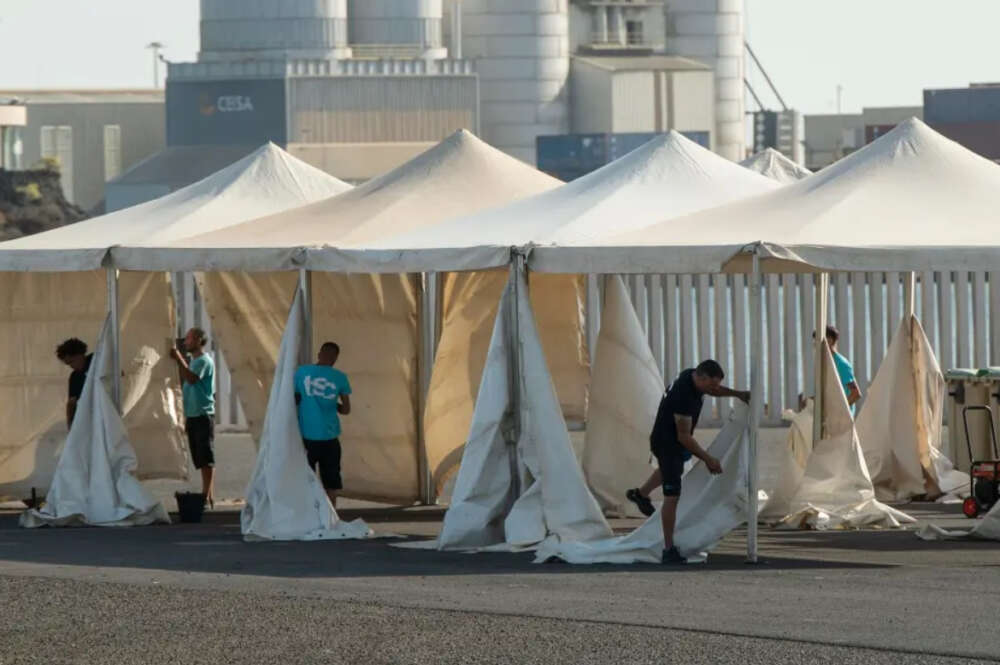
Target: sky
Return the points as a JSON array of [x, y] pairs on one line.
[[883, 52]]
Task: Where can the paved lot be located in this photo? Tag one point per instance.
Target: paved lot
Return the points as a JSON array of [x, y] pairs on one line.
[[197, 593]]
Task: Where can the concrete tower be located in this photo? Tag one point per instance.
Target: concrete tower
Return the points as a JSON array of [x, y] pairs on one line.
[[243, 30], [521, 49], [712, 31], [396, 28]]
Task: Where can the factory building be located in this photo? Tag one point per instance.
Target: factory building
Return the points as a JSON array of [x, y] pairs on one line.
[[970, 116], [833, 136], [94, 135]]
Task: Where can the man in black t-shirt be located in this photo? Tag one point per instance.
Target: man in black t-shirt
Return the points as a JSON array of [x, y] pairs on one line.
[[672, 443], [73, 352]]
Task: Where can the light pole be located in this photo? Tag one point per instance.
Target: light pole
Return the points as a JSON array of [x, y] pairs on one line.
[[155, 47]]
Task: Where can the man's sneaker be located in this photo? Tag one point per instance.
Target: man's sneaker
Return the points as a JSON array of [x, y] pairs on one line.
[[672, 557], [641, 502]]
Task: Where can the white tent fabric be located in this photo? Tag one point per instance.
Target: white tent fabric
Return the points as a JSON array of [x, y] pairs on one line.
[[460, 175], [623, 401], [709, 508], [266, 181], [772, 164], [668, 176], [792, 460], [285, 499], [900, 423], [40, 310], [892, 205], [988, 528], [836, 490], [94, 482], [554, 501]]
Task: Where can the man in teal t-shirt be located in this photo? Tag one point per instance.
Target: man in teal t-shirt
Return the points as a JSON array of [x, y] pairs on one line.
[[322, 395], [845, 372], [198, 388]]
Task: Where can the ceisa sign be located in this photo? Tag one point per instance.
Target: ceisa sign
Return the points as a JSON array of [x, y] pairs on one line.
[[226, 104]]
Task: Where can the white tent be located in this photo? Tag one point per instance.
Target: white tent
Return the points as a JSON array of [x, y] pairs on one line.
[[285, 499], [772, 164], [43, 304], [94, 482], [519, 482], [375, 317], [903, 451]]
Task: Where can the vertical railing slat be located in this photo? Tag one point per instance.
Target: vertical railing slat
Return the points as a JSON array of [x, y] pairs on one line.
[[773, 330], [791, 345], [686, 321], [741, 366], [946, 301], [843, 320], [981, 352], [723, 334], [859, 324], [671, 330], [654, 296], [894, 304], [807, 312], [962, 319], [928, 311]]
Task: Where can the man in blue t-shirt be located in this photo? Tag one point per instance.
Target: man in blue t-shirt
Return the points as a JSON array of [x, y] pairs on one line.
[[198, 389], [845, 372], [322, 395]]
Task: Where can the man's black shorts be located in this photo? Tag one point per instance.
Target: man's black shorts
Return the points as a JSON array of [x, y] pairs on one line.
[[201, 435], [671, 462], [327, 455]]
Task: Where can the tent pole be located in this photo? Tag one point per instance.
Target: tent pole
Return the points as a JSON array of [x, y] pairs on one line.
[[909, 293], [513, 429], [425, 287], [756, 403], [822, 294], [305, 285], [116, 363]]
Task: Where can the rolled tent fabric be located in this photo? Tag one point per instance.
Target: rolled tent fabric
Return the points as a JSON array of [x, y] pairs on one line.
[[94, 482], [373, 319], [709, 508], [903, 452], [988, 528], [40, 310], [469, 307], [554, 501], [285, 499], [624, 398], [836, 491]]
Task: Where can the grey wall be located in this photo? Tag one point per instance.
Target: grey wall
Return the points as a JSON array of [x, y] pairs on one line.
[[234, 112]]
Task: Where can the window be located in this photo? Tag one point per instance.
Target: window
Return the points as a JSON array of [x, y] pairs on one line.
[[112, 152], [633, 32], [57, 144]]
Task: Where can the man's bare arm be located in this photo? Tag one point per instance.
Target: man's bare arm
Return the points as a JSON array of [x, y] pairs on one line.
[[853, 394], [344, 407], [70, 411], [723, 391], [182, 366], [686, 439]]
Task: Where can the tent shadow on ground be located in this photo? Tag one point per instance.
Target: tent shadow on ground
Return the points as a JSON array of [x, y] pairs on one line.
[[216, 546]]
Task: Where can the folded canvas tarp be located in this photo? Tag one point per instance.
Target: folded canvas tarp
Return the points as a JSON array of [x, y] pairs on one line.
[[40, 310], [94, 482], [835, 490], [519, 482], [54, 287], [624, 398], [772, 164], [285, 498], [374, 317], [988, 528], [709, 508], [900, 424]]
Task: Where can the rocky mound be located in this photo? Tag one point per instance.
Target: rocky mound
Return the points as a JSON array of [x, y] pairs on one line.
[[32, 202]]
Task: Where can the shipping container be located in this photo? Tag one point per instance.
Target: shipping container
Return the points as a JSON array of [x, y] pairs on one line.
[[569, 156]]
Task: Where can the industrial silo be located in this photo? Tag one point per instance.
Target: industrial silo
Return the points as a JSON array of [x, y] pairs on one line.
[[521, 49], [712, 31], [242, 30], [396, 28]]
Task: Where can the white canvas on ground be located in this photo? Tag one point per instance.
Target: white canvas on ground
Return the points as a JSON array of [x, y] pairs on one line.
[[791, 466], [772, 164], [900, 424], [285, 499], [709, 508], [94, 482], [836, 491], [624, 398], [987, 528], [554, 501]]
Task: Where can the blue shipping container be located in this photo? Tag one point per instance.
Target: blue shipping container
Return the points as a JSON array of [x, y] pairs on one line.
[[570, 156]]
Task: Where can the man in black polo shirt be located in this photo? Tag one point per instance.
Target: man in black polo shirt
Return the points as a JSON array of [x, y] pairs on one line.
[[73, 352], [672, 442]]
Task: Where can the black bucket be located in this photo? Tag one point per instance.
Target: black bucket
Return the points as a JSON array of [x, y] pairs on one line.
[[190, 506]]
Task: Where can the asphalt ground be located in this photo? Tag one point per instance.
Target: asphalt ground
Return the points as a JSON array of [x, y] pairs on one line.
[[197, 593]]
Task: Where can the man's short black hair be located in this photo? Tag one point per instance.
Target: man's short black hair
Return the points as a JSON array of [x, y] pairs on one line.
[[71, 347], [711, 369], [332, 347], [832, 333]]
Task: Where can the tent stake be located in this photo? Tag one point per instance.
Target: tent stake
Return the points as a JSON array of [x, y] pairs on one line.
[[116, 365], [756, 404]]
